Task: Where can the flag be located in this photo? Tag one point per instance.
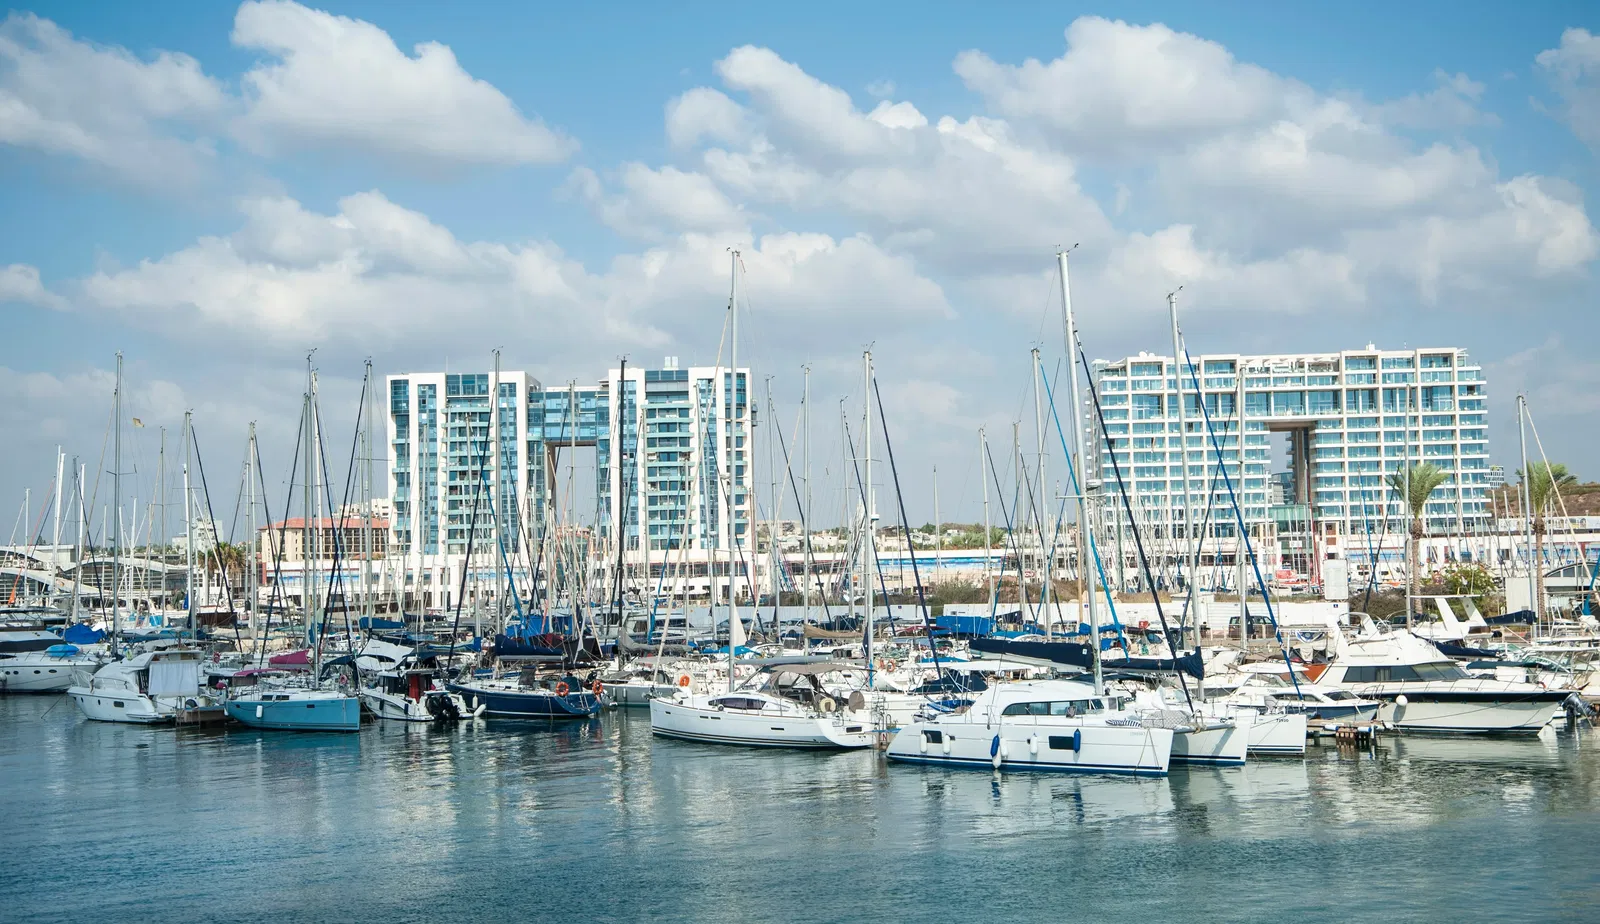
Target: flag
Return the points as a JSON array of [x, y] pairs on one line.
[[137, 422]]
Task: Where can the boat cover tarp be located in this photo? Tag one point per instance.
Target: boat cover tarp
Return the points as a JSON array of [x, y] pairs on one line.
[[1519, 618], [82, 634], [811, 631], [372, 622], [553, 645], [293, 660], [1465, 651], [971, 626]]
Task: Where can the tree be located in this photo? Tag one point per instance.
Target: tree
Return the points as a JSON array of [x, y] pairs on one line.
[[1414, 488], [1544, 483]]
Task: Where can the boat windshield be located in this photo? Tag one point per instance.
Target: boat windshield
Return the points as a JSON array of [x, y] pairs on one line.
[[1067, 708], [1442, 671]]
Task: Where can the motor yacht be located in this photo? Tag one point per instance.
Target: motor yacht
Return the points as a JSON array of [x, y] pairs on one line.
[[149, 688], [784, 705]]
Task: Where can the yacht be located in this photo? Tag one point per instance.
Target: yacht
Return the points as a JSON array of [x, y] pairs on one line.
[[782, 706], [529, 696], [1060, 725], [286, 703], [38, 661], [149, 688], [414, 695], [1423, 690]]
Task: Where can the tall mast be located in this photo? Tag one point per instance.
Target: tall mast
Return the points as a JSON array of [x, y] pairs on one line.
[[735, 628], [1046, 542], [871, 558], [988, 570], [161, 501], [805, 478], [1086, 556], [938, 532], [77, 529], [188, 519], [1527, 514], [116, 503], [55, 538], [250, 562], [847, 520], [496, 535], [1240, 546], [368, 476], [772, 504], [307, 556], [1191, 558]]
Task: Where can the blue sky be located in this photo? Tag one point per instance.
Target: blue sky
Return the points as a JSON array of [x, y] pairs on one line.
[[216, 190]]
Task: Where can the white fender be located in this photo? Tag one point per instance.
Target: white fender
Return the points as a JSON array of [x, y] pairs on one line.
[[1033, 745], [922, 746], [946, 745]]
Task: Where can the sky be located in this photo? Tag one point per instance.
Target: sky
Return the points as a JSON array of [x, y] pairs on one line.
[[218, 191]]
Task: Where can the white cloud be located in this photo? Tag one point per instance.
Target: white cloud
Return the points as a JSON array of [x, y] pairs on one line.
[[19, 282], [1453, 103], [1120, 84], [340, 82], [704, 113], [657, 203], [138, 119], [1573, 70]]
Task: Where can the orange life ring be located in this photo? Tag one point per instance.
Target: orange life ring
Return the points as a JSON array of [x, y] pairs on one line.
[[1144, 623], [890, 666], [561, 688], [684, 680], [597, 688]]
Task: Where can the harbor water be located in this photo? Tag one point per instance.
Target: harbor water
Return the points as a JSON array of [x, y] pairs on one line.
[[598, 821]]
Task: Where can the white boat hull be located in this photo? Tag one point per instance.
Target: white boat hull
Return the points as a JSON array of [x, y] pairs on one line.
[[1278, 733], [129, 708], [397, 708], [41, 675], [1224, 743], [1423, 716], [1020, 745], [671, 718]]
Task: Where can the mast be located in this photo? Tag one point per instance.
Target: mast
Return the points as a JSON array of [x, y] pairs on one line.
[[188, 518], [496, 535], [870, 561], [1191, 558], [1086, 556], [161, 501], [988, 569], [307, 566], [116, 503], [1044, 499], [938, 531], [735, 628], [55, 538], [1527, 515], [772, 505], [250, 522], [1240, 546], [805, 478], [367, 478]]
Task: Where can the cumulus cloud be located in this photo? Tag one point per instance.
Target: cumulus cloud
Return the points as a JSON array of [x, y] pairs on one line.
[[341, 82], [142, 120], [1573, 71], [20, 282]]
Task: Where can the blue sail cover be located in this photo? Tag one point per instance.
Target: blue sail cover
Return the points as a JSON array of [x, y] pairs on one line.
[[371, 623], [81, 634]]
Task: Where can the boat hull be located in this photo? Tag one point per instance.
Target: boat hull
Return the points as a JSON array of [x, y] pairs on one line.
[[1224, 744], [396, 708], [1116, 749], [330, 714], [128, 708], [527, 704], [1281, 734], [638, 695], [759, 729], [1468, 714], [53, 675]]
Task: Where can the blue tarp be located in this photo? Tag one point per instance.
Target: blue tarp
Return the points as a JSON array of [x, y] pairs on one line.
[[972, 626], [374, 622], [81, 634]]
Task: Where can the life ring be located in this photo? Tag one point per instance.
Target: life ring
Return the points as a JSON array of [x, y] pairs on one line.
[[597, 688], [684, 680], [891, 666], [562, 688], [1144, 623], [826, 704]]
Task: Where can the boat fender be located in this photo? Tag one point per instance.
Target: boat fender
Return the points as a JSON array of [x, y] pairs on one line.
[[1402, 701], [946, 745], [1005, 750], [994, 752], [1077, 741], [826, 704], [922, 745], [480, 709], [259, 710], [1033, 745], [562, 688]]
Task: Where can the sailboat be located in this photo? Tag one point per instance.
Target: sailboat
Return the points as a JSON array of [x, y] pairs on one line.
[[292, 703]]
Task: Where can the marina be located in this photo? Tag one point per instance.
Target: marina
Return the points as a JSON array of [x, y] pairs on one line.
[[402, 820]]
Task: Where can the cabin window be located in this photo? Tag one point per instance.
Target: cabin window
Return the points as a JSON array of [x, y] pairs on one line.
[[1063, 743], [932, 737], [740, 702], [1065, 707]]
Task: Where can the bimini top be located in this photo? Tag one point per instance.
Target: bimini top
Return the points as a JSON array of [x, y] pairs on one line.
[[811, 668]]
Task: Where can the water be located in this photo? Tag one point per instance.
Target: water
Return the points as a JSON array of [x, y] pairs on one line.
[[601, 822]]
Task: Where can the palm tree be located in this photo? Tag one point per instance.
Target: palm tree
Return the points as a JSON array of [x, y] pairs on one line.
[[1544, 482], [1414, 488]]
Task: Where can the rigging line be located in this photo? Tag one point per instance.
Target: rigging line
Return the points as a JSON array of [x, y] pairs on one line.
[[283, 530], [1011, 534], [1255, 563], [1022, 583], [216, 553], [338, 530], [1083, 528], [805, 527], [1138, 541], [1555, 489], [466, 562], [916, 575], [866, 516]]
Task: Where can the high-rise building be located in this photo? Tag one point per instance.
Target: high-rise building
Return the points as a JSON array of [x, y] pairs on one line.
[[1349, 419], [667, 441]]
